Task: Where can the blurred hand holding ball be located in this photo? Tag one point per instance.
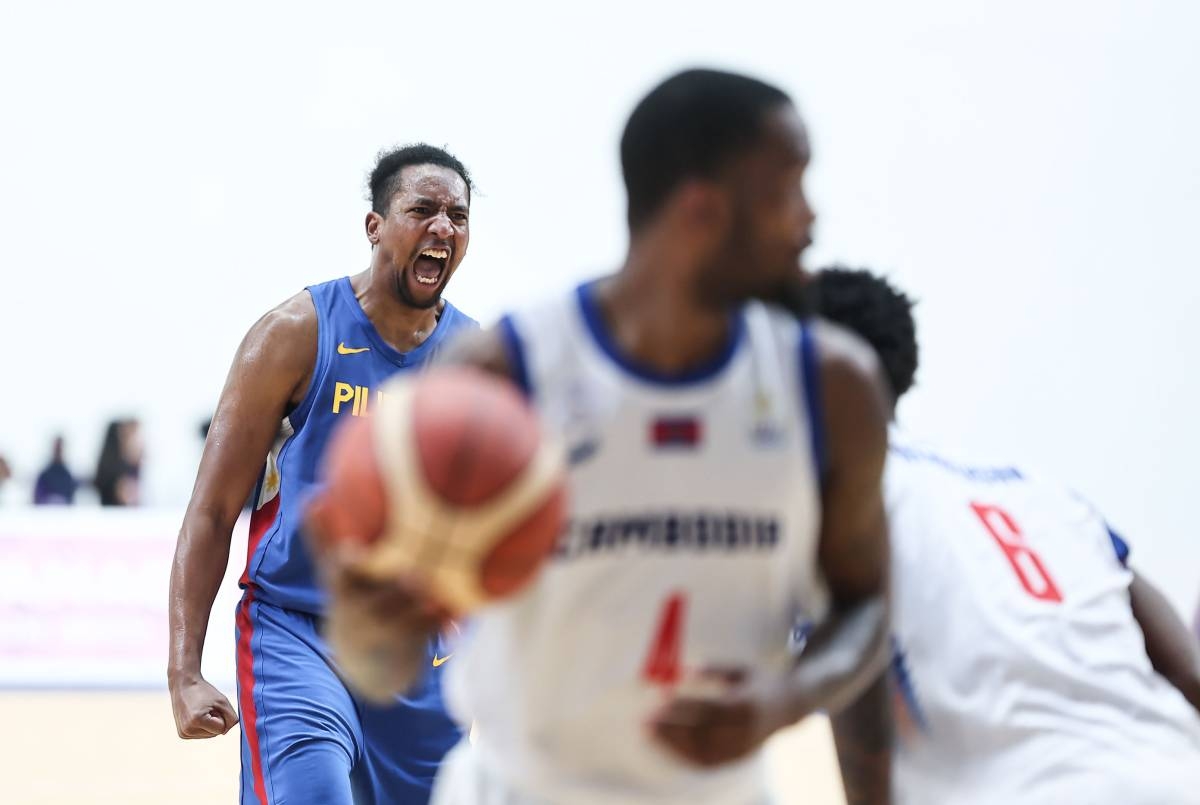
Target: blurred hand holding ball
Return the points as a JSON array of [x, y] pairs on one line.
[[451, 483]]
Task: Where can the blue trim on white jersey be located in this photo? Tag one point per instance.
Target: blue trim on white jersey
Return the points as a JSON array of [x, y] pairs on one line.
[[981, 474], [1119, 545], [811, 372], [594, 320], [516, 354], [902, 679]]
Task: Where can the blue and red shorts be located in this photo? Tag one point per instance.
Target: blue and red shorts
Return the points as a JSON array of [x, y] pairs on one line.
[[307, 739]]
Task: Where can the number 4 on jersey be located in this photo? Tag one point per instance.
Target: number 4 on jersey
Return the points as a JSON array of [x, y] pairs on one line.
[[664, 661], [1024, 560]]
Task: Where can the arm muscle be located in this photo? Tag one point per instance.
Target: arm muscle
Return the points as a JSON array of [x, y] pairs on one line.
[[269, 373]]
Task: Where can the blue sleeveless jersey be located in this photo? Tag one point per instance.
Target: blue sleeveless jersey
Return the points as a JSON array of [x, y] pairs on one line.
[[353, 361]]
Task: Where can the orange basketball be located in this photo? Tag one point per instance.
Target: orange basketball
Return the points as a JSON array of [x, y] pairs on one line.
[[450, 480]]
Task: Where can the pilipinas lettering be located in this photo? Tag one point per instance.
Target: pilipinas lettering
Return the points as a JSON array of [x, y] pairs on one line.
[[692, 532], [352, 399]]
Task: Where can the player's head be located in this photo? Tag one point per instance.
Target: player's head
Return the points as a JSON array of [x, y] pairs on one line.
[[714, 163], [878, 312], [418, 225]]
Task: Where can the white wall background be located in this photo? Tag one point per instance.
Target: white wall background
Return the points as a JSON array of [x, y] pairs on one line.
[[1029, 170]]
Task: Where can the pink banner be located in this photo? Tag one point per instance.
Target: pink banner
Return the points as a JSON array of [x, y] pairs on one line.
[[83, 598]]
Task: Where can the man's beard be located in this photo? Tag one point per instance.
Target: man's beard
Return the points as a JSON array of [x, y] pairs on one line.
[[792, 294], [408, 299]]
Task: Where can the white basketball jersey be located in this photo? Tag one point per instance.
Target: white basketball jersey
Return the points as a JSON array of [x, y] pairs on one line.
[[694, 514], [1021, 674]]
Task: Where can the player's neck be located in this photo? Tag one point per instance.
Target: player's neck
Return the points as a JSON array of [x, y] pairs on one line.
[[656, 320], [401, 325]]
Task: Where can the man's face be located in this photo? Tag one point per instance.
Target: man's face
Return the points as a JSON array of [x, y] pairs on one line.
[[771, 221], [423, 237]]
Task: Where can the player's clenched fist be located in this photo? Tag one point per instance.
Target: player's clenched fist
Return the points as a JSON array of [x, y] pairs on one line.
[[201, 711]]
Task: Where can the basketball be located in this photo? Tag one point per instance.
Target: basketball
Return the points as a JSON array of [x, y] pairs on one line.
[[450, 481]]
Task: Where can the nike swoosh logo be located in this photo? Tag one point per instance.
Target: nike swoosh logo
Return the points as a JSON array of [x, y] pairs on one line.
[[345, 350], [437, 661]]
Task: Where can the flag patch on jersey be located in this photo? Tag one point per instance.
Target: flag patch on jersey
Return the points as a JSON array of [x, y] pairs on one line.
[[676, 431]]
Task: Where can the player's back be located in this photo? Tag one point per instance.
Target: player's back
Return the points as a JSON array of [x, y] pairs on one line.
[[692, 539], [1021, 673]]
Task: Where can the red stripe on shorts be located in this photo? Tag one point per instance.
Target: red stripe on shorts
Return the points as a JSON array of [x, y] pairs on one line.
[[245, 678]]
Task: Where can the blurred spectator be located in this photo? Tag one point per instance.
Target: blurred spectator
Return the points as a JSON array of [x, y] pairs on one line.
[[120, 464], [55, 485], [5, 471]]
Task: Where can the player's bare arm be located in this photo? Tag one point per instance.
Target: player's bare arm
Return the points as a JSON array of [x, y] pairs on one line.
[[854, 557], [1173, 650], [863, 735], [269, 376], [379, 630], [849, 649]]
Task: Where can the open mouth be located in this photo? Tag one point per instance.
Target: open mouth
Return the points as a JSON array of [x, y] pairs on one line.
[[430, 265]]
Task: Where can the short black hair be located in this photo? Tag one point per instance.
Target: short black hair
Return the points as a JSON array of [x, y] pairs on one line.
[[690, 126], [385, 178], [878, 312]]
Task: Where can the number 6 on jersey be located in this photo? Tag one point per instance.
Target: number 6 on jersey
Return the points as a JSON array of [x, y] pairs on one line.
[[1024, 560]]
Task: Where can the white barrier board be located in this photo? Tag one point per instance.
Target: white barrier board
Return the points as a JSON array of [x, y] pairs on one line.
[[83, 598]]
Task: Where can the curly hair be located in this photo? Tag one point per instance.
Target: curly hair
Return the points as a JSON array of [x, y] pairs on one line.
[[877, 311]]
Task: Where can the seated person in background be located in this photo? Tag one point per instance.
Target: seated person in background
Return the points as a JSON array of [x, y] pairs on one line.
[[5, 471], [120, 464], [1031, 663], [55, 485]]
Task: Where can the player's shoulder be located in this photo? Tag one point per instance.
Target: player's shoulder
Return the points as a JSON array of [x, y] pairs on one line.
[[929, 488], [911, 456], [457, 319], [843, 353], [553, 310], [921, 470], [285, 334], [294, 318], [506, 346], [850, 376], [834, 349]]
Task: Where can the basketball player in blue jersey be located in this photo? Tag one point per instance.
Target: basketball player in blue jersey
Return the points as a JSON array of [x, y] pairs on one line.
[[699, 407], [310, 363], [1032, 664]]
